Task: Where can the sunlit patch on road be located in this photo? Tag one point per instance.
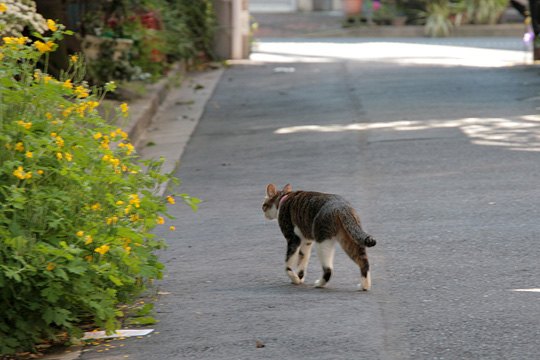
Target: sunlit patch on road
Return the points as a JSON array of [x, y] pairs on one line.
[[515, 133], [398, 52]]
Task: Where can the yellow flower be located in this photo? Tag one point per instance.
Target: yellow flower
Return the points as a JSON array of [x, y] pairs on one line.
[[53, 134], [134, 200], [29, 154], [134, 218], [172, 228], [19, 146], [44, 47], [97, 136], [95, 207], [92, 105], [128, 249], [80, 233], [124, 108], [3, 7], [81, 92], [40, 172], [130, 148], [59, 155], [68, 156], [67, 112], [51, 25], [26, 125], [160, 220], [112, 220], [119, 202], [48, 115], [170, 200], [106, 158], [59, 141], [73, 58], [88, 240], [15, 40], [21, 174], [103, 249], [51, 266], [67, 84]]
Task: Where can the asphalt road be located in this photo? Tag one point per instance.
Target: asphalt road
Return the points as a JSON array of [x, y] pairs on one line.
[[438, 149]]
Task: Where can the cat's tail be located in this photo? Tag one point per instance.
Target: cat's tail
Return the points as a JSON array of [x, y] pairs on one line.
[[351, 225]]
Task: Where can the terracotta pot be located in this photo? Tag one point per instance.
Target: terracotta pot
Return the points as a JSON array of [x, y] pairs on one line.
[[352, 7]]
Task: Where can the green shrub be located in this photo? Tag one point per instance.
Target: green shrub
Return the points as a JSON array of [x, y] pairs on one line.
[[76, 206]]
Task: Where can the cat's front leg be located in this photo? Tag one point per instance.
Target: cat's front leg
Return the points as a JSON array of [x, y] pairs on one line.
[[303, 258], [291, 259]]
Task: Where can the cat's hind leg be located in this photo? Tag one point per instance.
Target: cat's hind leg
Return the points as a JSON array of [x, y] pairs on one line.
[[325, 252], [358, 254], [303, 258], [291, 259]]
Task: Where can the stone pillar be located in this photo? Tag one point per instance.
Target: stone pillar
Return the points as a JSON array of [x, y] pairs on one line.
[[232, 36], [305, 5]]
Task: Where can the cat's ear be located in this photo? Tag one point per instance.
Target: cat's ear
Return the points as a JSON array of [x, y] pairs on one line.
[[271, 190], [287, 189]]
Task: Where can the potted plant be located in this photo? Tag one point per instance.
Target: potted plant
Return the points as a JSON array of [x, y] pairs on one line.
[[352, 8]]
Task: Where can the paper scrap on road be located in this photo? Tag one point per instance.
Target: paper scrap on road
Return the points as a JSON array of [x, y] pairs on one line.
[[91, 335], [284, 70]]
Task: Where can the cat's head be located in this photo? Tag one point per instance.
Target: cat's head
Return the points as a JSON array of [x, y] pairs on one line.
[[273, 197]]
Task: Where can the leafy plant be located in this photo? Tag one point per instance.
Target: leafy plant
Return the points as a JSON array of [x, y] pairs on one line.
[[485, 11], [438, 22], [77, 207]]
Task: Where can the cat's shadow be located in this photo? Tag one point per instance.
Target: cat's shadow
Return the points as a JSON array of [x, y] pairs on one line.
[[311, 291]]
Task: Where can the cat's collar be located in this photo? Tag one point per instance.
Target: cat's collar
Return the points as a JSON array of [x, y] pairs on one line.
[[282, 200]]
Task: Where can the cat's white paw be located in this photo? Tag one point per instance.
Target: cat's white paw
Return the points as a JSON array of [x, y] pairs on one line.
[[320, 283], [294, 278], [365, 283]]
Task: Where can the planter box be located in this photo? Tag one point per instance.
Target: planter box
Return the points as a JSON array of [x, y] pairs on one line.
[[322, 5], [91, 46]]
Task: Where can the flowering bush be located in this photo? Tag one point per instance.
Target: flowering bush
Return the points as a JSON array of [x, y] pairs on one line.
[[76, 206], [18, 14]]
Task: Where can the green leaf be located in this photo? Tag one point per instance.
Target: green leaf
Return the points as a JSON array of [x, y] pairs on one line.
[[116, 281], [143, 320], [145, 309]]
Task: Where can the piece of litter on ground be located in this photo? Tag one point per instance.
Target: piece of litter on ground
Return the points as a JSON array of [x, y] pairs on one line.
[[119, 333], [281, 69], [259, 344]]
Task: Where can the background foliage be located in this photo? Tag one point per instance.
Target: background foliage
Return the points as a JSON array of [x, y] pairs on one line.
[[163, 31]]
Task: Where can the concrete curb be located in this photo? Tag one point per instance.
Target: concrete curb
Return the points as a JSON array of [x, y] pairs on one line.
[[173, 123], [510, 30], [143, 110]]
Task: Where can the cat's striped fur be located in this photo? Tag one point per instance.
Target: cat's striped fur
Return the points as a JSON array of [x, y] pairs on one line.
[[306, 217]]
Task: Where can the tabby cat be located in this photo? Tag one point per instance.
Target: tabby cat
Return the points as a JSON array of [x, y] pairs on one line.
[[305, 217]]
